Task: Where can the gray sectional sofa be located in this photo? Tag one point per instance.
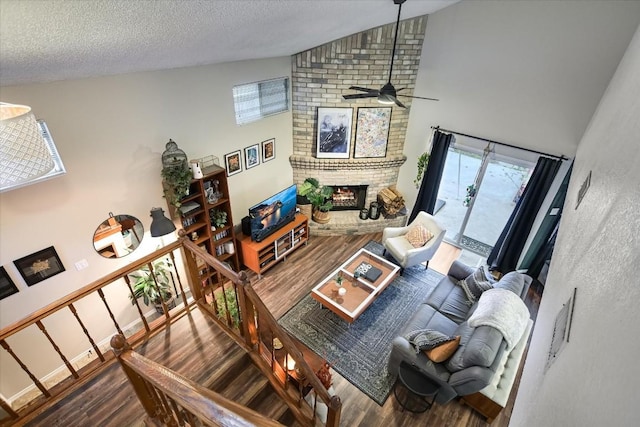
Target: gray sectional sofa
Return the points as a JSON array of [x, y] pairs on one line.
[[480, 362]]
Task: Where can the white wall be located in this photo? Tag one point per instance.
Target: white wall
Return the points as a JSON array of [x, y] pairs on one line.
[[528, 73], [110, 133], [594, 380]]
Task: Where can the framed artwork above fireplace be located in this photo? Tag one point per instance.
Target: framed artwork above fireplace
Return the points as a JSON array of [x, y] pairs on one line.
[[334, 132], [372, 132]]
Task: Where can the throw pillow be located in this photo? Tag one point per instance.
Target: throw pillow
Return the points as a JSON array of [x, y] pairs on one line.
[[418, 235], [444, 351], [426, 339], [476, 283]]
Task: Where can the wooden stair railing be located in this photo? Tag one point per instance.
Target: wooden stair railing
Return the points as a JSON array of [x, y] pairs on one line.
[[172, 400], [254, 328], [13, 337]]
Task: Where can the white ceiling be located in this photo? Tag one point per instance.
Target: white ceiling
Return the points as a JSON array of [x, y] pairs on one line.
[[70, 39]]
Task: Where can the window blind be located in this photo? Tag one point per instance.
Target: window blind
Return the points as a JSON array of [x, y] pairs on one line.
[[253, 101]]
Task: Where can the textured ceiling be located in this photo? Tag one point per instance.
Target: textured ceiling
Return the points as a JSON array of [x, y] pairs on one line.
[[69, 39]]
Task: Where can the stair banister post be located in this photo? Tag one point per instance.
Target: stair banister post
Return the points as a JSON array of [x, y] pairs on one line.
[[247, 314], [192, 268], [122, 349], [333, 414]]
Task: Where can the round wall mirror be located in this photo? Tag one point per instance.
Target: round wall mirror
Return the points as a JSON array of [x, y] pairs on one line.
[[118, 236]]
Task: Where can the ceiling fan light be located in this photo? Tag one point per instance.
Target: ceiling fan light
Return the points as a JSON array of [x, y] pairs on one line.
[[384, 99]]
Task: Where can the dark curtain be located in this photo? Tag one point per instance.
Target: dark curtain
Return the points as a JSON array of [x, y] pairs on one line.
[[428, 193], [542, 255], [535, 256], [506, 251]]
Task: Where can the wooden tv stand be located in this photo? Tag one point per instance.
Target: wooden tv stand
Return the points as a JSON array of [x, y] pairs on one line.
[[261, 256]]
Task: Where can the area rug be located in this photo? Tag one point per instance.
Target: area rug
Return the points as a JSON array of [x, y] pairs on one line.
[[360, 351]]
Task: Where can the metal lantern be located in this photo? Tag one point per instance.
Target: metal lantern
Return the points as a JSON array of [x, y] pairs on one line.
[[173, 156], [364, 214], [374, 210]]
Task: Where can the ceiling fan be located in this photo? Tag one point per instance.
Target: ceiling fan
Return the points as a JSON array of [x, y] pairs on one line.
[[387, 94]]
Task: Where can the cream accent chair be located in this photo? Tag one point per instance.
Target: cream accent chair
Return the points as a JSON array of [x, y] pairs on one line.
[[394, 241]]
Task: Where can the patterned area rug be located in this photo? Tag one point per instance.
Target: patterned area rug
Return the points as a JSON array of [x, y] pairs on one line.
[[360, 352]]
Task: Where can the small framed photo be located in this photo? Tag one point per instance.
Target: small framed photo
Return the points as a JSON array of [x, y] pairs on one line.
[[39, 266], [7, 287], [252, 156], [268, 150], [233, 162], [334, 132], [372, 132]]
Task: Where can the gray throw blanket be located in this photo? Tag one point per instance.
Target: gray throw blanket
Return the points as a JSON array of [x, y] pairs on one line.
[[504, 311], [426, 339]]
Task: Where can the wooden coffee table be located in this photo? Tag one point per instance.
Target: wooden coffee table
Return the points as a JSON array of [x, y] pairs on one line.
[[360, 292]]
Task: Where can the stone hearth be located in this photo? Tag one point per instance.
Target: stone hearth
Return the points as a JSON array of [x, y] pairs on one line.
[[348, 222], [376, 173]]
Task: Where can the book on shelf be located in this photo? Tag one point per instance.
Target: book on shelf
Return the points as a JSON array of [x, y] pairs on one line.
[[188, 207]]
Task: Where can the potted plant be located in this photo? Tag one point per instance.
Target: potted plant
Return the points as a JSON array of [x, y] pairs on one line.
[[153, 291], [229, 295], [218, 217], [423, 160], [177, 180], [320, 198], [302, 201]]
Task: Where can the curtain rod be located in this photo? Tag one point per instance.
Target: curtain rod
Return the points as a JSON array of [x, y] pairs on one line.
[[561, 157]]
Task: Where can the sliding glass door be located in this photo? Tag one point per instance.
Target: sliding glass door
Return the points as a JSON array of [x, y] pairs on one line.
[[478, 192]]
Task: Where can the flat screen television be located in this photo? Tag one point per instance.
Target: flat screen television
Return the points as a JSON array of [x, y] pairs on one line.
[[273, 213]]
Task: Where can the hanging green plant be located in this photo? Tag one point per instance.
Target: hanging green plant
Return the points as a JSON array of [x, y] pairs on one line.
[[471, 193], [423, 160], [177, 179]]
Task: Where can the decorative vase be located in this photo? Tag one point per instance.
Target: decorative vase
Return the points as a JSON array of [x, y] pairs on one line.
[[374, 210], [196, 170]]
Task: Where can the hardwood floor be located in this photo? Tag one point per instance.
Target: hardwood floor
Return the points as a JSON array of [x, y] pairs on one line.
[[195, 348]]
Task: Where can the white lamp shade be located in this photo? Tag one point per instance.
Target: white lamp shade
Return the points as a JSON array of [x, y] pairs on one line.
[[24, 154]]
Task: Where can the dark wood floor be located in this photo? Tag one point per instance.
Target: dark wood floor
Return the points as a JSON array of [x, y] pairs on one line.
[[195, 348]]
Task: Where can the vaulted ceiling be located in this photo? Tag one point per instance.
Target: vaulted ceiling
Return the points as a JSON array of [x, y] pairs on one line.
[[69, 39]]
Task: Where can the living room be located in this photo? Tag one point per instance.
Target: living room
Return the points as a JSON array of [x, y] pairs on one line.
[[500, 71]]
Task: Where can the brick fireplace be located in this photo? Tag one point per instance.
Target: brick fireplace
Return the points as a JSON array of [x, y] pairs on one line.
[[320, 76]]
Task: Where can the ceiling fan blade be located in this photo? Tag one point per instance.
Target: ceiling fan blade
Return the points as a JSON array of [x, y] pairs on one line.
[[420, 97], [363, 89], [397, 101], [361, 95]]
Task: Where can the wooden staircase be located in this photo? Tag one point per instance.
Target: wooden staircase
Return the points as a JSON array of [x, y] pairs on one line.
[[241, 381], [251, 384]]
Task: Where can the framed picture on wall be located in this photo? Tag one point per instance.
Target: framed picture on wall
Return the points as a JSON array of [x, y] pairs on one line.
[[334, 132], [233, 162], [39, 266], [7, 287], [268, 149], [372, 132], [252, 156]]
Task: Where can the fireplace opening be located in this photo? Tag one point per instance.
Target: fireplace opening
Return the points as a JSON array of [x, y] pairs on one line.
[[348, 197]]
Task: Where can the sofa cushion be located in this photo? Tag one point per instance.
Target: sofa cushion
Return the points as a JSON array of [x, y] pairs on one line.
[[476, 283], [450, 300], [513, 281], [443, 351], [426, 317], [418, 235], [478, 347]]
